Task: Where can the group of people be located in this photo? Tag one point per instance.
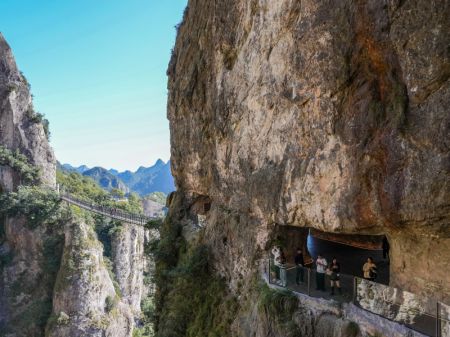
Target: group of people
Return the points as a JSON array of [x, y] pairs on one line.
[[333, 270]]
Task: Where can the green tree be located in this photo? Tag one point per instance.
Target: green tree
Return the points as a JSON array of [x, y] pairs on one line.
[[117, 193]]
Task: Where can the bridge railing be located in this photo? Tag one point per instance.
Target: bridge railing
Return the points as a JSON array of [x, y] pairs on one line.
[[426, 316], [114, 213]]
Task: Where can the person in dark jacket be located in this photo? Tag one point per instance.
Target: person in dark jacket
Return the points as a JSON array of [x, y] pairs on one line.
[[299, 263], [335, 277]]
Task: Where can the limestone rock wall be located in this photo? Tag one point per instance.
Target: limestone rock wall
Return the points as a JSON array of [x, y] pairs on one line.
[[54, 280], [324, 114], [18, 130], [129, 265], [24, 286], [85, 302]]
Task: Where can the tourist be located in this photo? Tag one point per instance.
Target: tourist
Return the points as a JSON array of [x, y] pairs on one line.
[[370, 270], [335, 269], [299, 263], [386, 248], [321, 265], [276, 262]]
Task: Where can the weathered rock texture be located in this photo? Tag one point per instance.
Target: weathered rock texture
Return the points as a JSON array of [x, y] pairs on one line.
[[18, 131], [82, 299], [129, 265], [85, 302], [24, 286], [324, 114]]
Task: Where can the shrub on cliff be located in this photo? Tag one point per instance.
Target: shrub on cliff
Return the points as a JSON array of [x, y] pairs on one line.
[[28, 173], [39, 118], [38, 205], [280, 305], [190, 300]]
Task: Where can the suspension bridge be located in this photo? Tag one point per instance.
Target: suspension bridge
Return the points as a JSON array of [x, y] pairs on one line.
[[113, 213]]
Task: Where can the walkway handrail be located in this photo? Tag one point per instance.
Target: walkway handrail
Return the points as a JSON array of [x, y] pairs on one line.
[[113, 213], [430, 317]]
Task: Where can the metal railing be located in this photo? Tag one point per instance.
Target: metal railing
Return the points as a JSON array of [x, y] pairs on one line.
[[113, 213], [428, 317]]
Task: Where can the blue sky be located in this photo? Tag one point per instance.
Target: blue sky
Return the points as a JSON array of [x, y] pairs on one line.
[[97, 70]]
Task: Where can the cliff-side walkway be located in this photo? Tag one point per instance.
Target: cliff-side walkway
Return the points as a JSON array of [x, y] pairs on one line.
[[112, 213]]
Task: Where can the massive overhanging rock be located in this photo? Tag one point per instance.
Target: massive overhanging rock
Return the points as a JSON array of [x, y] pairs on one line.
[[331, 115]]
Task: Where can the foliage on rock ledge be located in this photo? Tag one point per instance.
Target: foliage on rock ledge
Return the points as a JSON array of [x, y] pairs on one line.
[[42, 211], [28, 173], [39, 205]]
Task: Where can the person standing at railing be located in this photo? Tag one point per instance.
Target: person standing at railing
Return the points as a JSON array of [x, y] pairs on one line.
[[370, 270], [335, 269], [276, 255], [299, 263], [321, 265], [279, 260]]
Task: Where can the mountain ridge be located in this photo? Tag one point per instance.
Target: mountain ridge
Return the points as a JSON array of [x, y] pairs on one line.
[[143, 181]]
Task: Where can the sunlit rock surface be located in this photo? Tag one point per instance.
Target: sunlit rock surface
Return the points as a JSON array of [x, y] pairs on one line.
[[54, 280], [329, 115], [130, 264], [85, 302], [18, 131]]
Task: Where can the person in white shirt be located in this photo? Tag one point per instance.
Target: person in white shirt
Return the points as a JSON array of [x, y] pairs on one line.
[[321, 265], [276, 262]]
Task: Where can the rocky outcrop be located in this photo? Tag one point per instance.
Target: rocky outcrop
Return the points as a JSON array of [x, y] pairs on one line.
[[130, 264], [25, 271], [20, 126], [152, 208], [85, 302], [328, 115], [325, 115], [54, 280]]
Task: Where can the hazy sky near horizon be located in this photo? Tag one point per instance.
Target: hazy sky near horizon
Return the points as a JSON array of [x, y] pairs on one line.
[[97, 70]]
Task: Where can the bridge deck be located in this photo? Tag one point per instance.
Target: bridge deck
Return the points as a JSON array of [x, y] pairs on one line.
[[106, 211]]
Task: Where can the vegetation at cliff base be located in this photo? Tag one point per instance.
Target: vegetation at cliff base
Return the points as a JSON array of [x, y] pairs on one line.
[[190, 300]]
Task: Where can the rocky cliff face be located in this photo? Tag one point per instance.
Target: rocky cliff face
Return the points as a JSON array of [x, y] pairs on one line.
[[54, 279], [85, 302], [320, 114], [328, 115], [24, 287], [130, 264], [20, 127]]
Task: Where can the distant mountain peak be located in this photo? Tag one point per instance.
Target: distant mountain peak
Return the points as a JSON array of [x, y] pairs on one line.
[[145, 180]]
